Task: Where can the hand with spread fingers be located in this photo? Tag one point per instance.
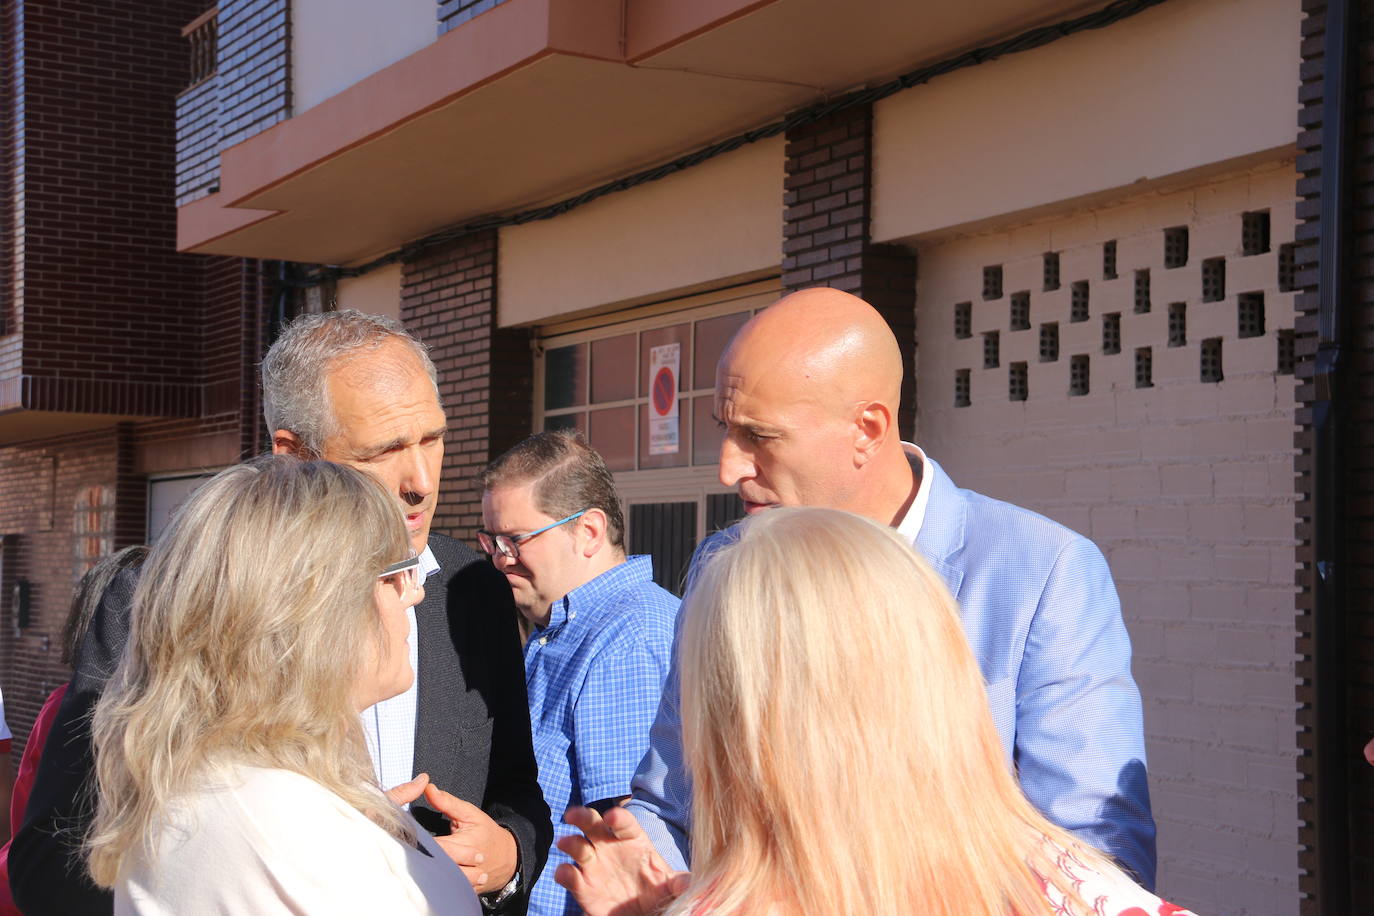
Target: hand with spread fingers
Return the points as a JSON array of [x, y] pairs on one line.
[[616, 871], [482, 848]]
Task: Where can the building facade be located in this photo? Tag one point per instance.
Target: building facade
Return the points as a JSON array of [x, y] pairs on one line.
[[1103, 232]]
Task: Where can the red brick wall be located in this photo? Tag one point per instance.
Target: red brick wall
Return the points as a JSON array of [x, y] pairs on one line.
[[448, 299], [827, 194], [39, 548], [105, 304]]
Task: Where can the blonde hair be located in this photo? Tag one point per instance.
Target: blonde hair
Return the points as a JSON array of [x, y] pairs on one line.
[[250, 625], [838, 735]]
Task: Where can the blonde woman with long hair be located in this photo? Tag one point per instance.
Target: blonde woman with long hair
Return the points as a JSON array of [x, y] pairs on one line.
[[843, 756], [232, 771]]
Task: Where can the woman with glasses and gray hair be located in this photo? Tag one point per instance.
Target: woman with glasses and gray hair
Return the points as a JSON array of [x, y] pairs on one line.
[[842, 752], [232, 770]]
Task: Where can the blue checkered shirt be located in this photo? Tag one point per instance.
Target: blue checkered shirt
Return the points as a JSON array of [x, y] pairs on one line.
[[594, 676]]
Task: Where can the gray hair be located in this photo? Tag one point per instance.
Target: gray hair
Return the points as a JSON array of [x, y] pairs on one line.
[[568, 475], [295, 390]]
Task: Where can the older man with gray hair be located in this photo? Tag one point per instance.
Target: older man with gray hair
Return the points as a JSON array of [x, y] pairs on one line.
[[359, 390]]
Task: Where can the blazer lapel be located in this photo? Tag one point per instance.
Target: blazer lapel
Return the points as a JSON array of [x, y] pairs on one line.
[[941, 540]]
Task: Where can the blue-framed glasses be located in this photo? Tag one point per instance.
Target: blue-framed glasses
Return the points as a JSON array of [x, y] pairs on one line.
[[508, 545]]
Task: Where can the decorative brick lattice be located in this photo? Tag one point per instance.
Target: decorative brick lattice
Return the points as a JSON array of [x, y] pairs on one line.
[[1142, 291], [1250, 314], [963, 320], [961, 388], [1175, 247], [1078, 301], [1111, 333], [1078, 375], [1287, 267], [1049, 342], [1144, 367], [992, 282], [1213, 279], [1254, 232], [1178, 324], [1109, 259], [1210, 364], [1018, 382], [992, 350], [1020, 311], [1050, 269], [1286, 356]]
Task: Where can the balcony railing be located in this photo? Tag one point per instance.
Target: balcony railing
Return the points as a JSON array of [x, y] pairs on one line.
[[203, 34]]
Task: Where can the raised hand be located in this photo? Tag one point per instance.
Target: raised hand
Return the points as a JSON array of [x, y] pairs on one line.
[[616, 871]]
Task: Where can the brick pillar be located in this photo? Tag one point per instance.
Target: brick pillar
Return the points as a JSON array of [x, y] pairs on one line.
[[448, 299], [828, 190]]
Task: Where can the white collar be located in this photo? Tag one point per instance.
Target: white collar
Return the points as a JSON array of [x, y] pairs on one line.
[[910, 525]]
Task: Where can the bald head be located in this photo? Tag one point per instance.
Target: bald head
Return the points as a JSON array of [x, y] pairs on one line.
[[808, 391], [825, 340]]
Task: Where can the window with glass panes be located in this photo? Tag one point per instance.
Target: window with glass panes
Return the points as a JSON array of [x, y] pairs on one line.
[[594, 376]]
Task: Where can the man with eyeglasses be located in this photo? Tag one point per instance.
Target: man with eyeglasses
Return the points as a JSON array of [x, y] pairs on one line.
[[599, 632], [359, 390]]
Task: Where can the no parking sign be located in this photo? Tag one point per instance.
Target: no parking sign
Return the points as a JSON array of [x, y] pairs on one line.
[[664, 363]]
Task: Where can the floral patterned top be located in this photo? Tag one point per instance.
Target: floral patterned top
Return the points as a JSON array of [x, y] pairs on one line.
[[1109, 894]]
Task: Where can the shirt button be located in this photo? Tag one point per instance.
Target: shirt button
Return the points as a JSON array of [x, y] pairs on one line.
[[572, 615], [543, 640]]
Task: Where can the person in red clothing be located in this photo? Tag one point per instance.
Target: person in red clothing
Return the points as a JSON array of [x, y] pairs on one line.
[[88, 592]]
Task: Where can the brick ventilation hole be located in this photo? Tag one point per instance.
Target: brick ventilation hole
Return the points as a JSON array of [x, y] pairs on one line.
[[1051, 261], [1213, 279], [1109, 260], [1078, 301], [992, 282], [992, 350], [1020, 311], [1287, 353], [961, 388], [1288, 268], [1250, 314], [963, 320], [1142, 291], [1254, 232], [1111, 333], [1178, 324], [1078, 375], [1144, 368], [1175, 247], [1018, 382], [1049, 342], [1210, 368]]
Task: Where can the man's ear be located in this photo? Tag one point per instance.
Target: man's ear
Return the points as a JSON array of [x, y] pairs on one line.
[[871, 429], [285, 442], [592, 528]]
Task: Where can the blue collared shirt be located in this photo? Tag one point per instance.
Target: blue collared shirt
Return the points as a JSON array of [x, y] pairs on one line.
[[389, 726], [594, 675]]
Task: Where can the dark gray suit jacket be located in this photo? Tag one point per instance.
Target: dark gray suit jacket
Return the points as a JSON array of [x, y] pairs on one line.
[[472, 733]]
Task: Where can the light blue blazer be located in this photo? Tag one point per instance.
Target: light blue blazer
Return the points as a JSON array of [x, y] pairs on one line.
[[1043, 618]]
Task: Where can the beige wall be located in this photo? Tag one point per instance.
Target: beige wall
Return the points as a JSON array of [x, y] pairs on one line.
[[1182, 86], [1187, 488], [376, 293], [335, 43], [718, 220]]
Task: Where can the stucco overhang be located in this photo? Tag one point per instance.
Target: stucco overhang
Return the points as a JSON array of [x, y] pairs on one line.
[[538, 99]]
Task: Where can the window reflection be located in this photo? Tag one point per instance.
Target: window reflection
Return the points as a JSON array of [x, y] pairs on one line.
[[565, 377]]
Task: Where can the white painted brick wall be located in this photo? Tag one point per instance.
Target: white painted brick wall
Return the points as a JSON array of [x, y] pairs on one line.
[[1187, 487]]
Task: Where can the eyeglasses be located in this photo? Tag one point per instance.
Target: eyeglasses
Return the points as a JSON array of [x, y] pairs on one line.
[[406, 572], [508, 545]]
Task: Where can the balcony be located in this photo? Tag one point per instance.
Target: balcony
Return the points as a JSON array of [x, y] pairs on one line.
[[534, 100]]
